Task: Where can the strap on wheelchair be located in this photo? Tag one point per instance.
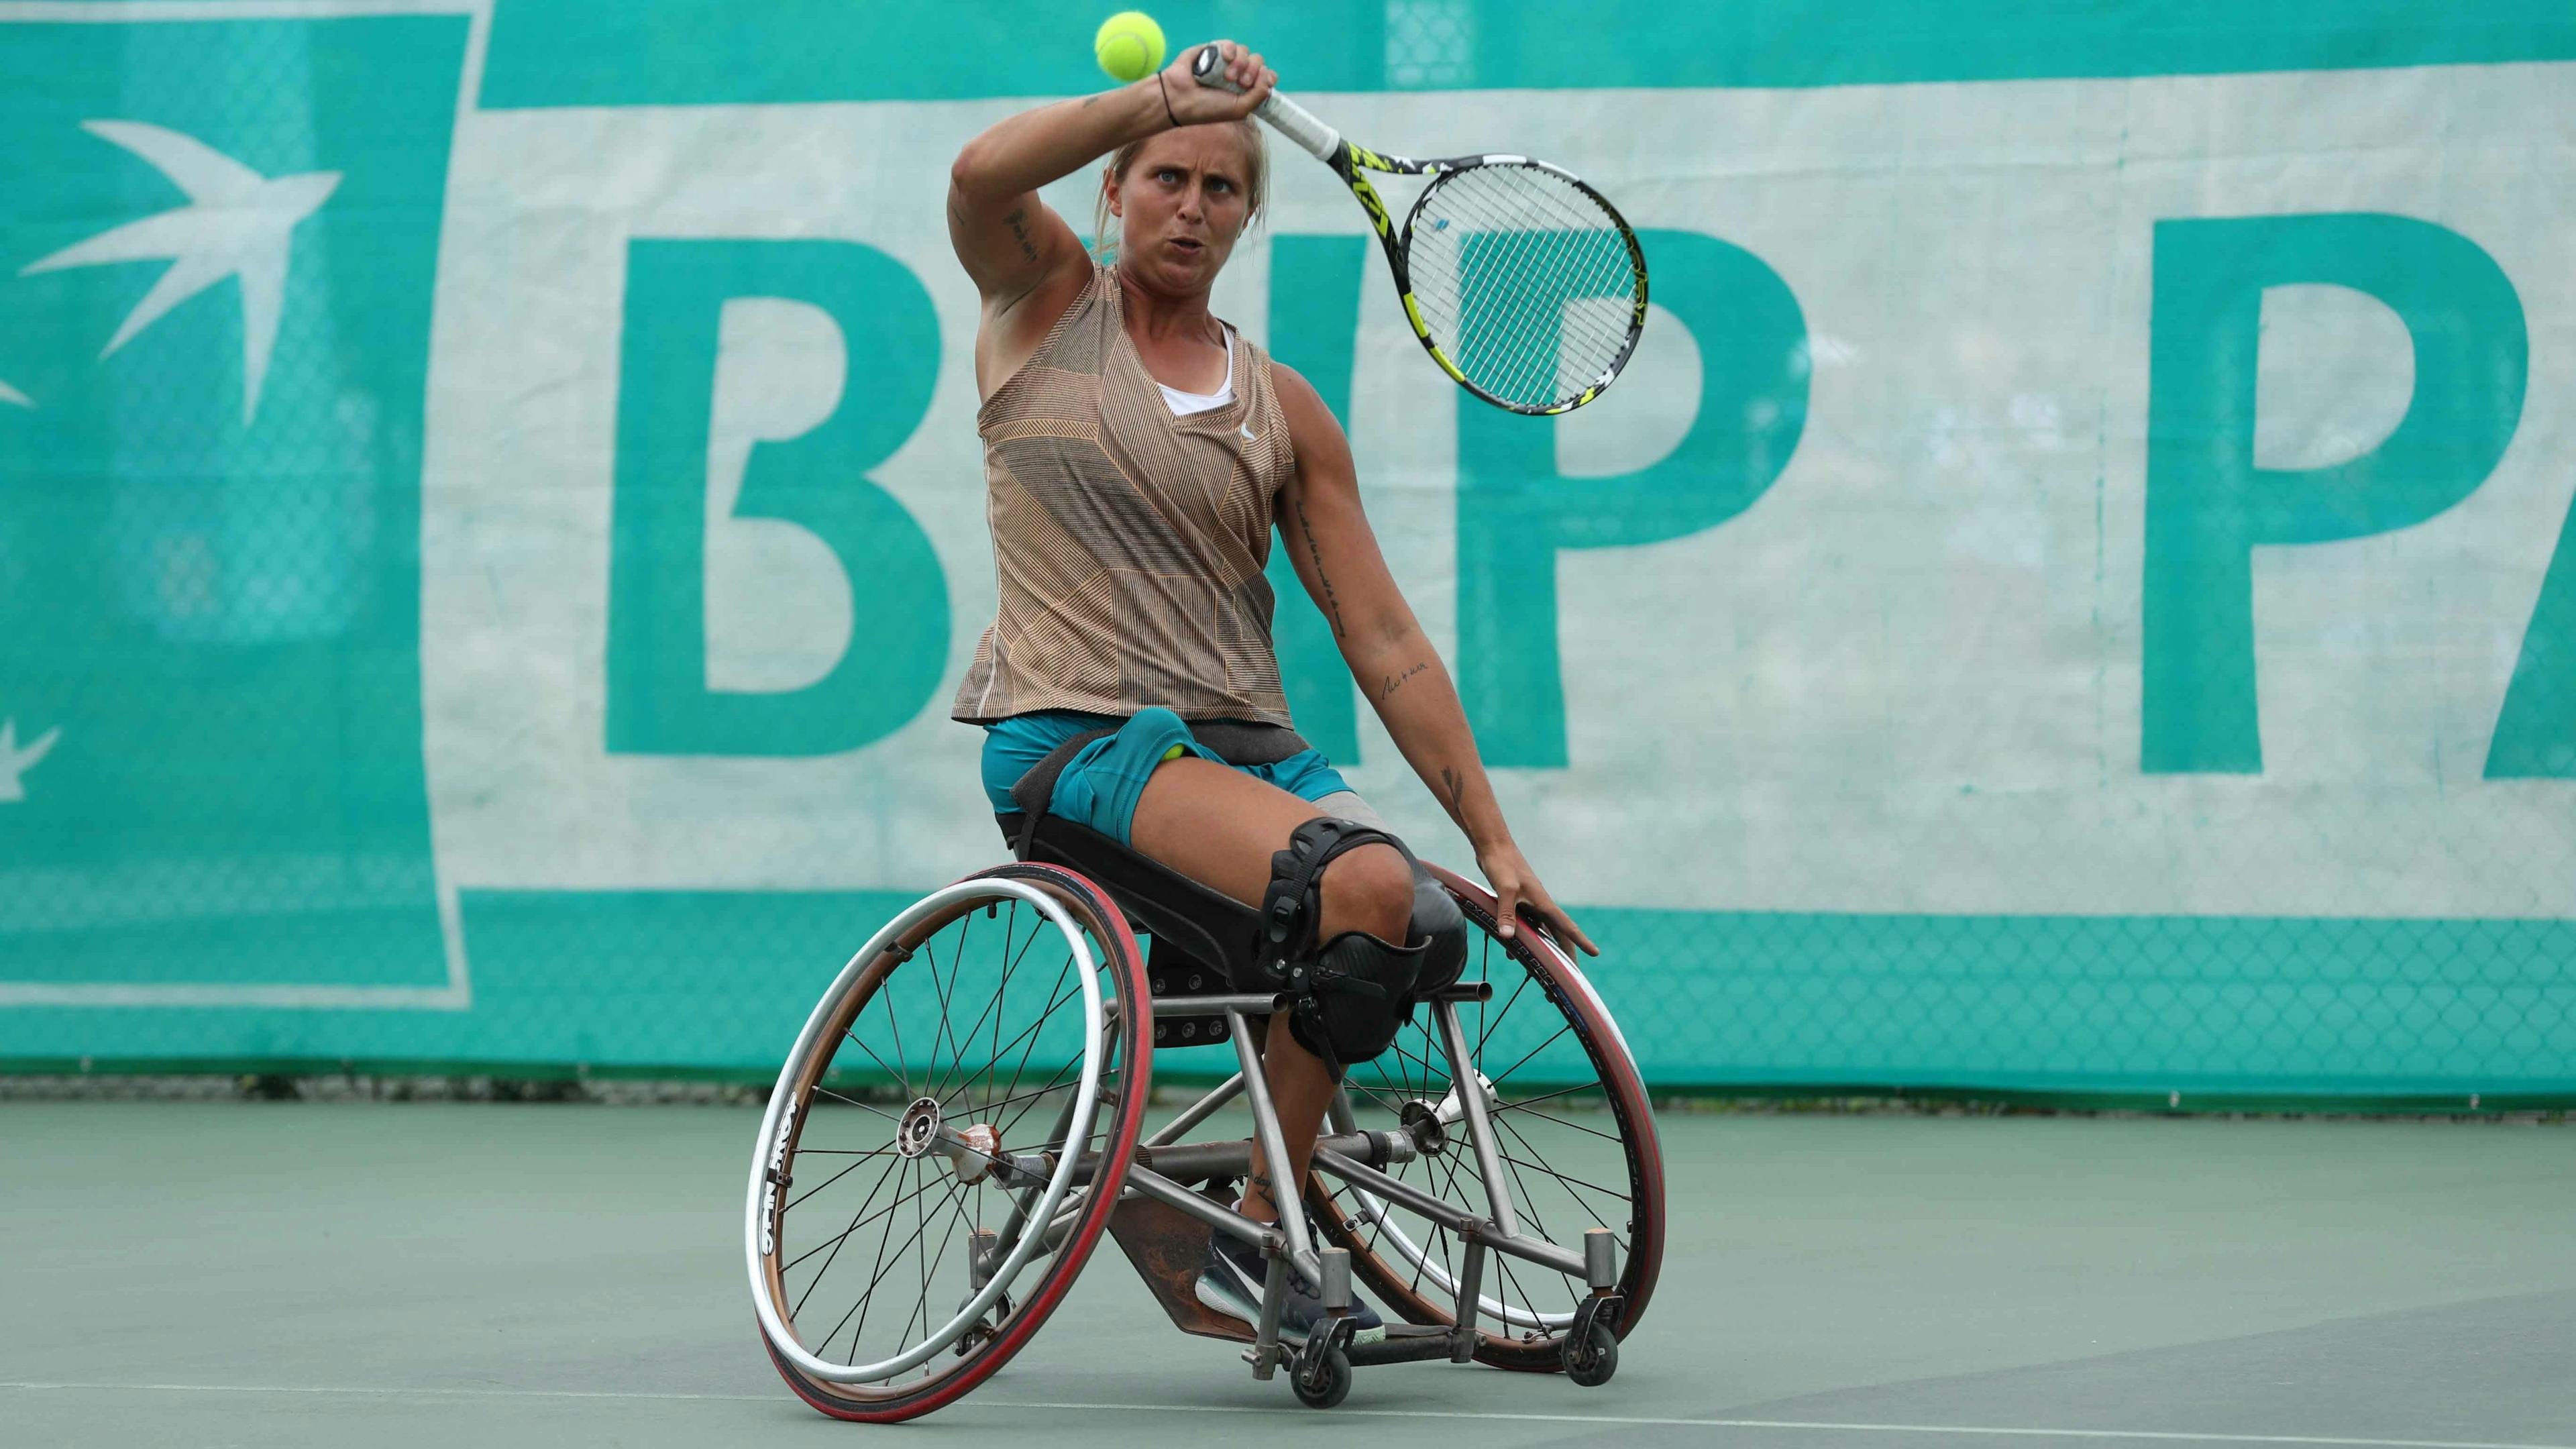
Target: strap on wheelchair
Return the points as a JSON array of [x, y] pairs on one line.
[[1237, 742], [1033, 790], [1351, 994]]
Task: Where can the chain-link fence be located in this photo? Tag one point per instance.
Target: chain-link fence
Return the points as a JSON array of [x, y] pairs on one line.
[[2071, 596]]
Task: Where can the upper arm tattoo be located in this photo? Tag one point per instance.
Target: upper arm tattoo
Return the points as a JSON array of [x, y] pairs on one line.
[[1018, 222], [1315, 556]]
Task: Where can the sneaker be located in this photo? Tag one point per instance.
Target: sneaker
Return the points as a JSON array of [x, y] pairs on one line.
[[1231, 1284]]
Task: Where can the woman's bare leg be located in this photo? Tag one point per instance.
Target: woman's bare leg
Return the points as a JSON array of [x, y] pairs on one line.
[[1302, 1089], [1219, 827]]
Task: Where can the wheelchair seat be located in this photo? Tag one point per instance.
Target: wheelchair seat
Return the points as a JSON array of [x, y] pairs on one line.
[[1203, 941]]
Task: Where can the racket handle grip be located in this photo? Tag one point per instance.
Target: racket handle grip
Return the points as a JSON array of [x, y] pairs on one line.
[[1283, 115]]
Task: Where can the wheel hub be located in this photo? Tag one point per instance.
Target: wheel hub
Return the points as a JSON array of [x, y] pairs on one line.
[[1422, 1120], [917, 1131]]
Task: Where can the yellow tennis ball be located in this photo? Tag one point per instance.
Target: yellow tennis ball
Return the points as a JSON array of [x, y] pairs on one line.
[[1129, 45]]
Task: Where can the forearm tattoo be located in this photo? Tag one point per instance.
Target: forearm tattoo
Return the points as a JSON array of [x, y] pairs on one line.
[[1395, 682]]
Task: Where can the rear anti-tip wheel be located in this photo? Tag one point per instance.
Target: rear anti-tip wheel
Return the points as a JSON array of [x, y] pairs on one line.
[[1324, 1382], [1590, 1359]]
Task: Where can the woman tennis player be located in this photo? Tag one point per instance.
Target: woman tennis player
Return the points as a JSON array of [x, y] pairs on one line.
[[1137, 453]]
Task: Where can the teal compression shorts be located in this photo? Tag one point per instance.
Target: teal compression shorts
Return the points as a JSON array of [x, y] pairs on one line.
[[1101, 783]]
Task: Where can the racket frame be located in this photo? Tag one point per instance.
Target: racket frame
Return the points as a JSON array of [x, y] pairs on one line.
[[1348, 161], [1398, 247]]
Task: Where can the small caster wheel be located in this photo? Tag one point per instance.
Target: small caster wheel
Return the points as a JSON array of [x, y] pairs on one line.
[[1324, 1383], [1591, 1359]]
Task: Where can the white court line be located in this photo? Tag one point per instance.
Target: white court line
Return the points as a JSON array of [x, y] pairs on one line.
[[1307, 1415]]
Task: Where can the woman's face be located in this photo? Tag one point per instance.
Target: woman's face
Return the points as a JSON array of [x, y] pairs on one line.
[[1184, 202]]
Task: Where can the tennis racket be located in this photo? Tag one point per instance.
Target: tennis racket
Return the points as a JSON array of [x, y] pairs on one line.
[[1521, 281]]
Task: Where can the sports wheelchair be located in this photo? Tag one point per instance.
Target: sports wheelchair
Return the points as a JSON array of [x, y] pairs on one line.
[[965, 1113]]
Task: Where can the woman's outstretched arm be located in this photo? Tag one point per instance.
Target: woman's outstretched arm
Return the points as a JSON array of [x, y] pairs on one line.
[[1336, 556]]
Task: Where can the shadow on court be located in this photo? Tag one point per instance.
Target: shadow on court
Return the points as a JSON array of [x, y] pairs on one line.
[[312, 1274]]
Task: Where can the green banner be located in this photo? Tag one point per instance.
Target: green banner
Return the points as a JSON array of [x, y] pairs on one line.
[[2072, 594], [223, 242]]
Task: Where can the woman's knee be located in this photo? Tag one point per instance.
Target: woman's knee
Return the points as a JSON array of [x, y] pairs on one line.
[[1369, 888]]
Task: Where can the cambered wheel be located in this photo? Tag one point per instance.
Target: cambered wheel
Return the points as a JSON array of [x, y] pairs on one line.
[[947, 1141], [1575, 1138]]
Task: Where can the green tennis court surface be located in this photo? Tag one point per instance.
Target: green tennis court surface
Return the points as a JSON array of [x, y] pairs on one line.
[[279, 1275]]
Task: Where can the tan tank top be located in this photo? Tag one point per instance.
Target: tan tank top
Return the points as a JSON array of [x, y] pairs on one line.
[[1128, 543]]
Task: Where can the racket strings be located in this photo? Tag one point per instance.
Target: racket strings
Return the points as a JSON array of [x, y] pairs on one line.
[[1507, 325], [1525, 261], [1524, 280]]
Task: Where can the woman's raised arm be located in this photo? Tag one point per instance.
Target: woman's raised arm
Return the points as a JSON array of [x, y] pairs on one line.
[[1010, 242]]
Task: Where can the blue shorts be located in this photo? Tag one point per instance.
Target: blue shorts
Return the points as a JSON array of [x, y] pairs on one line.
[[1101, 783]]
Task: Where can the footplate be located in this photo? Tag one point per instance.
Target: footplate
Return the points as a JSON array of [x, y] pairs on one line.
[[1169, 1247]]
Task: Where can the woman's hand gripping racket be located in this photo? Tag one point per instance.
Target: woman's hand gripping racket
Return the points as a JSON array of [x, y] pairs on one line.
[[1523, 283]]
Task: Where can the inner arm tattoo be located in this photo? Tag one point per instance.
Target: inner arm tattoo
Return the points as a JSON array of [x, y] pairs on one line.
[[1456, 784], [1315, 555], [1017, 221]]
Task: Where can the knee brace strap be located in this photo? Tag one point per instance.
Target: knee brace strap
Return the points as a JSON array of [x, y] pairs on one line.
[[1291, 910], [1356, 992]]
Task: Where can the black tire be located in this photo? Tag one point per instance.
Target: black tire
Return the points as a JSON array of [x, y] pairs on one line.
[[1592, 1367], [1322, 1385]]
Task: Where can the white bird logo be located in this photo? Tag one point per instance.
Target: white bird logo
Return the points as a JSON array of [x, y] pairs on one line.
[[238, 224], [15, 762]]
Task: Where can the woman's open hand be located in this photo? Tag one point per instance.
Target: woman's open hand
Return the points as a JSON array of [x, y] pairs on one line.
[[1516, 887]]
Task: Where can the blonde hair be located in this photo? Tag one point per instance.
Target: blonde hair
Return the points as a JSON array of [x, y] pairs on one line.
[[1256, 186]]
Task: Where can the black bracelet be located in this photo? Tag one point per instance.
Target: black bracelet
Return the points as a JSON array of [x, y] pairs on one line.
[[1167, 100]]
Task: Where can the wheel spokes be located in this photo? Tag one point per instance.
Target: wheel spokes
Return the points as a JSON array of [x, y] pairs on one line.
[[955, 1028], [1564, 1168]]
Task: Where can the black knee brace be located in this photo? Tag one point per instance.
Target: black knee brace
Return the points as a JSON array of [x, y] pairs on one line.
[[1360, 994], [1292, 907], [1356, 992]]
